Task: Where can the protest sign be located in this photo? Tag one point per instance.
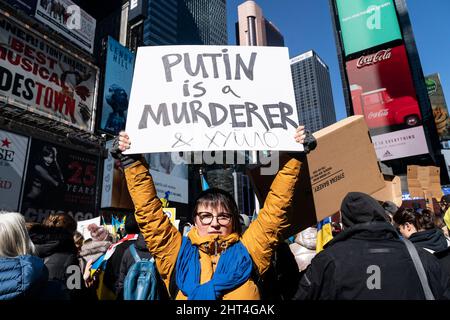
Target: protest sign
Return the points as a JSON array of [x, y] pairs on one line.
[[82, 227], [199, 98]]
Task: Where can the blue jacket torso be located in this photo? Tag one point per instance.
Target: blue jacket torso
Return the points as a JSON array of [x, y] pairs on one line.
[[22, 277]]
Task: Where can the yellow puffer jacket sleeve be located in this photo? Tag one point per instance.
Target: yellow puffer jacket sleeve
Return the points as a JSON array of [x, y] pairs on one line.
[[162, 238], [264, 234]]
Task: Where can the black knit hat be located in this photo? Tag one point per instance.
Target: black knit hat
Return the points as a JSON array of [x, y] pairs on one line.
[[358, 207]]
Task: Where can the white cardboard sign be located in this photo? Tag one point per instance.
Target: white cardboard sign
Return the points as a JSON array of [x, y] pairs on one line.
[[200, 98]]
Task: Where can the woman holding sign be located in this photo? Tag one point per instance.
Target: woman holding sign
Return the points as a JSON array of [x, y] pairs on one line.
[[214, 261]]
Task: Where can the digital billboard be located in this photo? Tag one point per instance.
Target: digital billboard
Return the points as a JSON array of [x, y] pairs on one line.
[[367, 23], [65, 17], [383, 91], [59, 179], [41, 77], [118, 79], [439, 106]]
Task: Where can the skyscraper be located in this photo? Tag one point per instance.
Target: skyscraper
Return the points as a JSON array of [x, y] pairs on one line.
[[313, 94], [253, 29], [160, 27], [202, 22]]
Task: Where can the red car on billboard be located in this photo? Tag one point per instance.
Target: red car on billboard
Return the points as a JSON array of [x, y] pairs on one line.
[[382, 89], [381, 110]]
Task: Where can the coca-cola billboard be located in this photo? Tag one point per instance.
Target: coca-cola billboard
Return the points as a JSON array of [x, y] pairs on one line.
[[382, 90]]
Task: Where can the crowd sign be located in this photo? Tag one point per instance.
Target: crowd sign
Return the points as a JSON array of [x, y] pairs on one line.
[[13, 155], [59, 179], [194, 98], [45, 79]]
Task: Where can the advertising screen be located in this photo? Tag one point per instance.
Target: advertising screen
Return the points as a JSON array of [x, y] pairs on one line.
[[13, 155], [118, 79], [439, 106], [43, 78], [382, 90], [59, 179], [65, 17], [367, 23]]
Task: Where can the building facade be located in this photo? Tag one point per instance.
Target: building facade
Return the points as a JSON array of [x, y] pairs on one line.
[[253, 29], [313, 93], [202, 22]]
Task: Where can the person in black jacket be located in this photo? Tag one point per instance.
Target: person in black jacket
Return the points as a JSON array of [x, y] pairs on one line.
[[128, 261], [112, 270], [420, 229], [369, 261]]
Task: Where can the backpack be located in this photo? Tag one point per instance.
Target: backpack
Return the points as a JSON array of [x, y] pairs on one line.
[[141, 281]]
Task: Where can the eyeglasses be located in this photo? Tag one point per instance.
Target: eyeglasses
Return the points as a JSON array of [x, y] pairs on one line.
[[206, 218]]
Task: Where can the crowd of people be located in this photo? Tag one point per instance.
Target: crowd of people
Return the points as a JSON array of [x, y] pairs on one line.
[[378, 251]]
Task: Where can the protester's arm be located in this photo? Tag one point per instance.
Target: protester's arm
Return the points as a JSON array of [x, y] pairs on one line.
[[162, 238], [265, 233]]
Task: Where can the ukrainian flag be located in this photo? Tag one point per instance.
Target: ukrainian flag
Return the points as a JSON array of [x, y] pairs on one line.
[[324, 233]]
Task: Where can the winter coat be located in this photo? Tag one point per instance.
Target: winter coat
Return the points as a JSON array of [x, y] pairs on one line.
[[92, 250], [112, 271], [57, 247], [262, 236], [431, 240], [26, 277], [304, 247], [369, 261]]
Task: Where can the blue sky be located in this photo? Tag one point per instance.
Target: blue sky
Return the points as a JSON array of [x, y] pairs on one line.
[[306, 25]]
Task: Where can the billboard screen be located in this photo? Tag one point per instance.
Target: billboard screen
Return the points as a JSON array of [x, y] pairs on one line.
[[43, 78], [13, 155], [367, 23], [59, 179], [118, 79], [439, 106], [383, 91], [70, 20]]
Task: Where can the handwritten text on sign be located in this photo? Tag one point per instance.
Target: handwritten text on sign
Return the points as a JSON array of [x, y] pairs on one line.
[[194, 98]]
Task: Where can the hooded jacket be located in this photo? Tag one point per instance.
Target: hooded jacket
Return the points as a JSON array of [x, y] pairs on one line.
[[369, 261], [164, 240], [57, 248], [432, 240]]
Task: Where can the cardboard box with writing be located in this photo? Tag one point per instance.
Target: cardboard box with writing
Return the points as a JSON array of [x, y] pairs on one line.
[[344, 161], [424, 182]]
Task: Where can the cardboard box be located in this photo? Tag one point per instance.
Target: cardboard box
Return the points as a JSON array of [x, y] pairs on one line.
[[344, 161], [392, 190], [424, 182]]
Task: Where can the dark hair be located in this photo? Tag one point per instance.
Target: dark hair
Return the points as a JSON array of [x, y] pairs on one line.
[[425, 220], [420, 219], [404, 216], [214, 197], [62, 220], [47, 151]]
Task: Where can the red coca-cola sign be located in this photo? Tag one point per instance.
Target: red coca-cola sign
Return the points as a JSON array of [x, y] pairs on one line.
[[369, 60]]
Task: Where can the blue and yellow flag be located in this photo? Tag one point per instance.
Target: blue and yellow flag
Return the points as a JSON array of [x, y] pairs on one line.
[[324, 233]]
